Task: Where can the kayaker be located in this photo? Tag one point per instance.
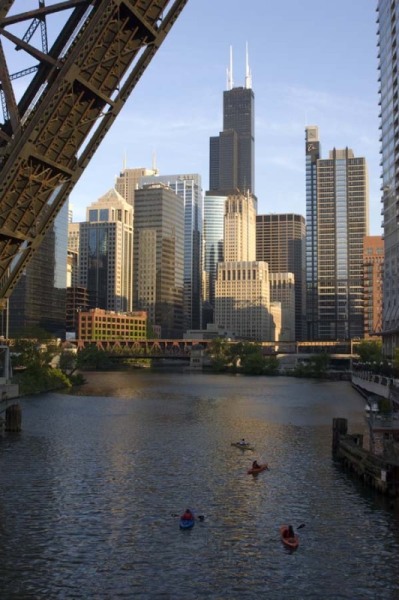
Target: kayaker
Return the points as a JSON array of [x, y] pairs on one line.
[[255, 465], [187, 515], [243, 442], [291, 533]]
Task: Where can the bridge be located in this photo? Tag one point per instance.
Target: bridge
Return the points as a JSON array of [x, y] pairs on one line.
[[181, 349], [76, 89]]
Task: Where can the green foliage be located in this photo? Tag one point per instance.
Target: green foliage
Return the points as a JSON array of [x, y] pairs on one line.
[[219, 365], [37, 378], [272, 365], [370, 351], [68, 362], [317, 367], [92, 357], [242, 357], [218, 348], [77, 379], [253, 363]]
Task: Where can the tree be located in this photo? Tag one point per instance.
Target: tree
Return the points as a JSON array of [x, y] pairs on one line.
[[218, 350], [92, 357], [370, 351], [68, 362]]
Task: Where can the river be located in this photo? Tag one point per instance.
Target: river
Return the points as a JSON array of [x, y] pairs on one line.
[[90, 490]]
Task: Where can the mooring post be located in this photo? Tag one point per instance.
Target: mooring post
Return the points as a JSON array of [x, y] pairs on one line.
[[13, 418], [340, 427]]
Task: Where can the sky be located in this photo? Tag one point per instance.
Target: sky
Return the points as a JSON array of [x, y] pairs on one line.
[[313, 63]]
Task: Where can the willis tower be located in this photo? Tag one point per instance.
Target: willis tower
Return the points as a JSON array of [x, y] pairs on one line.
[[231, 164]]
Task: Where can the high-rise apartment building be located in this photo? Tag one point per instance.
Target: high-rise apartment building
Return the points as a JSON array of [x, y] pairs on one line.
[[280, 241], [188, 187], [337, 209], [106, 253], [129, 180], [388, 25], [158, 257], [231, 158], [373, 273], [242, 293]]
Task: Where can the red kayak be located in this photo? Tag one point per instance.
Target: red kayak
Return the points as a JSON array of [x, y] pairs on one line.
[[255, 471], [291, 542]]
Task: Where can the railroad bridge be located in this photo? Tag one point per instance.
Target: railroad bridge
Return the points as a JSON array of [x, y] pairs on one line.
[[177, 348], [76, 89]]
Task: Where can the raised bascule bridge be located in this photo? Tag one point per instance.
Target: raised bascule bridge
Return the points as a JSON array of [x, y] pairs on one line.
[[66, 70], [72, 91]]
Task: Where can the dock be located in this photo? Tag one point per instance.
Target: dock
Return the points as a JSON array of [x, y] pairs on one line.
[[377, 465]]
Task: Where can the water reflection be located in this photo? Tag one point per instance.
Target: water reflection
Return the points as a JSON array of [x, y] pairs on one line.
[[90, 486]]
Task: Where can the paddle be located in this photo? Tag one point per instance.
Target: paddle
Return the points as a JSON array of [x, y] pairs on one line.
[[301, 526]]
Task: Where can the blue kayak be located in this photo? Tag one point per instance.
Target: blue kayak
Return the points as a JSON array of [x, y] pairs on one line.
[[186, 523]]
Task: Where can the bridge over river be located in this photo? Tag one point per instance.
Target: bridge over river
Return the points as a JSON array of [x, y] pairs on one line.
[[181, 349]]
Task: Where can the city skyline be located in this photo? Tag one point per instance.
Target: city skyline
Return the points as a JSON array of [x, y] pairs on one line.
[[323, 73]]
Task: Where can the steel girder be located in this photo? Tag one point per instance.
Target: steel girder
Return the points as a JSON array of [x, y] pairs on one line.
[[49, 136]]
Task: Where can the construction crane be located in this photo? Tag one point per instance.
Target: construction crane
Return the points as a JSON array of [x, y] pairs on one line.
[[76, 89]]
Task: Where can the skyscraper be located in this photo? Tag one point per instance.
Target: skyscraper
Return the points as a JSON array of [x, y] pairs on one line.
[[373, 258], [338, 211], [242, 293], [388, 25], [313, 153], [129, 180], [39, 298], [105, 253], [231, 158], [158, 257], [213, 233], [282, 290], [280, 241], [188, 187]]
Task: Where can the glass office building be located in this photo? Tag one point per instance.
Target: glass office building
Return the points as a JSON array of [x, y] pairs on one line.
[[188, 187], [39, 298], [280, 241], [105, 253], [158, 270], [214, 209], [388, 41]]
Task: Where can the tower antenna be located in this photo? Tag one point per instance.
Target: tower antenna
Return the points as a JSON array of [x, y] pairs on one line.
[[230, 82], [248, 74]]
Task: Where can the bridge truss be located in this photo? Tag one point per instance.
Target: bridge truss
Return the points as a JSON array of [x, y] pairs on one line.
[[76, 89]]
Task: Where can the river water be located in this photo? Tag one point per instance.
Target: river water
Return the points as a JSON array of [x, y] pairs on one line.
[[90, 487]]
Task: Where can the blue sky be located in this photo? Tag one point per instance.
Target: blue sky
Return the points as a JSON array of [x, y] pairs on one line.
[[313, 63]]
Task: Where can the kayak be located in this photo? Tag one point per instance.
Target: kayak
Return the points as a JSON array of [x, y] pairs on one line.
[[243, 446], [258, 470], [290, 542], [186, 523]]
